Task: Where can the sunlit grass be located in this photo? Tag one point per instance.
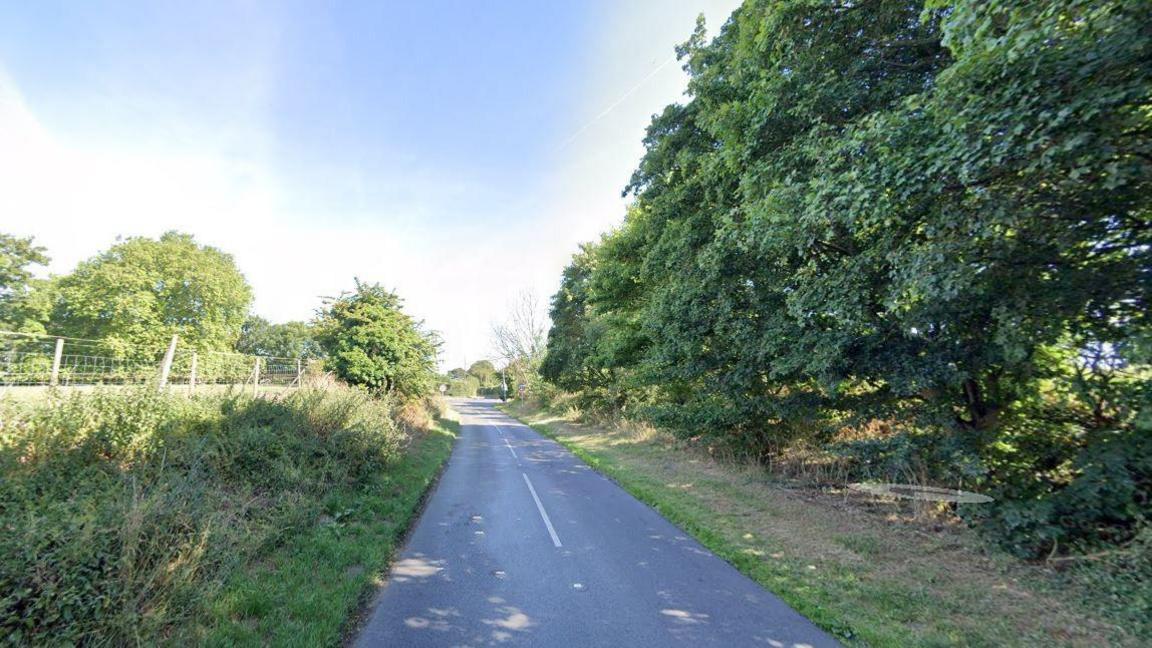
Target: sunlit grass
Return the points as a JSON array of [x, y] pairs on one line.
[[306, 592], [868, 576]]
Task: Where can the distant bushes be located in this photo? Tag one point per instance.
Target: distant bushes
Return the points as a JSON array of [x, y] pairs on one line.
[[480, 379], [465, 386], [122, 512], [491, 392]]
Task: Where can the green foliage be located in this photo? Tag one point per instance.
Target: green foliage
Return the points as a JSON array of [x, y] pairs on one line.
[[490, 392], [306, 591], [572, 360], [139, 293], [370, 341], [16, 254], [466, 386], [485, 373], [22, 306], [124, 511], [480, 379], [1120, 582], [937, 214], [258, 336]]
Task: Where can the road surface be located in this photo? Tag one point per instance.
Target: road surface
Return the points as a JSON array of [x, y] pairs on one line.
[[522, 544]]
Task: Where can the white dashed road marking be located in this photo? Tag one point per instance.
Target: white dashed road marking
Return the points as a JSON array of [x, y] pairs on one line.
[[543, 513]]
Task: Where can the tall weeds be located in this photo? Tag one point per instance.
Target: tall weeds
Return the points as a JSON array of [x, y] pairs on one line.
[[121, 513]]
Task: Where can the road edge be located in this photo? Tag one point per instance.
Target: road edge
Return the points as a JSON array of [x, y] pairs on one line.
[[819, 617], [370, 598]]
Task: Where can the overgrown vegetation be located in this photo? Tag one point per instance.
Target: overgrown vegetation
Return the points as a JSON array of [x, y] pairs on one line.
[[913, 236], [142, 518]]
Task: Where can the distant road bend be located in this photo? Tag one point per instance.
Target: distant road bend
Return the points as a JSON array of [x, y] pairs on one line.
[[522, 544]]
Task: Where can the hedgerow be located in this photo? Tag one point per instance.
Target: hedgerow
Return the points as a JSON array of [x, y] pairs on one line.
[[123, 512]]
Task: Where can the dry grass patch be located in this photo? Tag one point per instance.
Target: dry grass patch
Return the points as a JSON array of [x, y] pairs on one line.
[[872, 572]]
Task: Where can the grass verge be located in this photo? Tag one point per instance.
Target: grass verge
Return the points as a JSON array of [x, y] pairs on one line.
[[307, 591], [856, 568]]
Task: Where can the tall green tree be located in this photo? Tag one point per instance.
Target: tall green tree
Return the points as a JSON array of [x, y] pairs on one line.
[[371, 341], [484, 372], [24, 300], [579, 354], [139, 293]]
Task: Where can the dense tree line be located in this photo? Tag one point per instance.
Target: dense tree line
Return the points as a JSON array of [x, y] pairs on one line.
[[926, 219], [293, 339], [136, 295], [133, 296]]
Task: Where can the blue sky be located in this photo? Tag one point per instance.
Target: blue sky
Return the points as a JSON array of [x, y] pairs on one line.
[[426, 145]]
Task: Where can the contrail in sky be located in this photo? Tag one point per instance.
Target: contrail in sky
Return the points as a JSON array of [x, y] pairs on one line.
[[618, 101]]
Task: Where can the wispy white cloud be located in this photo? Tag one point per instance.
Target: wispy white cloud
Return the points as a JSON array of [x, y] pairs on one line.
[[216, 170]]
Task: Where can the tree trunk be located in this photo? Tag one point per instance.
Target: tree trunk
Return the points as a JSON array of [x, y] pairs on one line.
[[983, 415]]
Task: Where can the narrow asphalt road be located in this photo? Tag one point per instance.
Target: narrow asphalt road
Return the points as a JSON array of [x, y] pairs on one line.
[[523, 544]]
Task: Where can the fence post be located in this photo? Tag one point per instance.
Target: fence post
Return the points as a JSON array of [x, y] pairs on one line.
[[299, 374], [166, 366], [256, 377], [55, 380], [192, 373]]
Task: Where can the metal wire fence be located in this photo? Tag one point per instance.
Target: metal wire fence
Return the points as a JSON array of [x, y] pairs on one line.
[[28, 360]]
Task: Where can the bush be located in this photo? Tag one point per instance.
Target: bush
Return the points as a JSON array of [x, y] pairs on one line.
[[371, 342], [1069, 491], [1057, 489], [465, 387], [124, 511]]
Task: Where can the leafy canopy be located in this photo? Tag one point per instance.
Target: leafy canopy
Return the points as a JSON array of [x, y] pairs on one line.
[[258, 336], [937, 214], [21, 305], [371, 342], [139, 293], [484, 372]]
